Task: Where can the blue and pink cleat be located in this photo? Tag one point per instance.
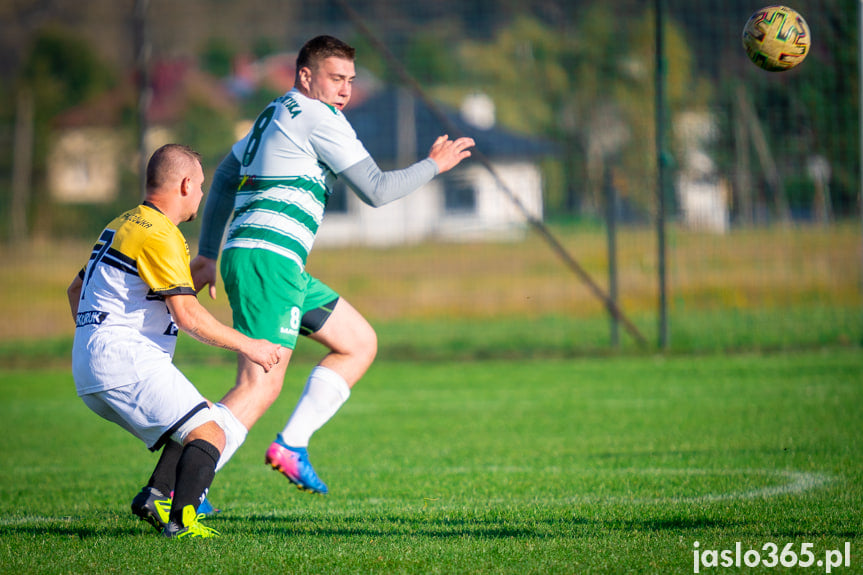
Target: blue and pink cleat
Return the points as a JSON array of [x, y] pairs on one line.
[[293, 463]]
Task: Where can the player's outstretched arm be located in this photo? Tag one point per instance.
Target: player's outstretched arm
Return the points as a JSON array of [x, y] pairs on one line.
[[377, 188], [194, 319], [447, 153]]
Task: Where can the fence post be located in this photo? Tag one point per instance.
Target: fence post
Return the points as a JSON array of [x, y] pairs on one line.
[[22, 166], [611, 231], [661, 164], [142, 63]]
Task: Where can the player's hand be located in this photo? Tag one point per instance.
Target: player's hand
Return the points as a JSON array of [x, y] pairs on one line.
[[448, 153], [204, 273], [266, 354]]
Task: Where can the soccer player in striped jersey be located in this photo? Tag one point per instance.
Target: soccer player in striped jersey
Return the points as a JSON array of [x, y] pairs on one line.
[[276, 182], [128, 303]]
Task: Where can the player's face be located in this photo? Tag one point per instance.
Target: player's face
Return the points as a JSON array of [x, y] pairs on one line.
[[331, 81]]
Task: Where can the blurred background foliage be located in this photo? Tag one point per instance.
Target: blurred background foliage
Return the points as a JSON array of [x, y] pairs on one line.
[[782, 149], [580, 74]]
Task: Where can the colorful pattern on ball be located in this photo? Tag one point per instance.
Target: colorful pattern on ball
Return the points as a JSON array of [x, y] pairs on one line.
[[776, 38]]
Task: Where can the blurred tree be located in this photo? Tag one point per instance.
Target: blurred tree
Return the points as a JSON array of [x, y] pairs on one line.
[[61, 71], [430, 53], [590, 88], [263, 47], [207, 130], [524, 69], [7, 131], [218, 57], [370, 59], [686, 91], [829, 100]]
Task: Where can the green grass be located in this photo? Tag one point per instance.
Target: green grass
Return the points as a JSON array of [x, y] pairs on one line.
[[558, 465], [499, 431], [469, 339], [759, 287]]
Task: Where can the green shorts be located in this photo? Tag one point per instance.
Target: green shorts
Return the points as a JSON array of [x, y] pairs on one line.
[[271, 298]]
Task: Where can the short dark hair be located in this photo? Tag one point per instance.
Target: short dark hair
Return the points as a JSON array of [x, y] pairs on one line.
[[169, 160], [323, 47]]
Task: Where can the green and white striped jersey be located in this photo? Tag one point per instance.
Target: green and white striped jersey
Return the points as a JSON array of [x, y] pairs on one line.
[[289, 161]]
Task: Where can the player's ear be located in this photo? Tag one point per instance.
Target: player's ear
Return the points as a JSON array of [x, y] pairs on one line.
[[304, 76]]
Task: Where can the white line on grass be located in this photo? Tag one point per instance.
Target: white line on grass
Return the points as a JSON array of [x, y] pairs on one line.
[[793, 482]]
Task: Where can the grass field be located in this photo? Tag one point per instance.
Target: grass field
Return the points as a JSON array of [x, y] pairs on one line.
[[771, 287], [499, 431], [590, 465]]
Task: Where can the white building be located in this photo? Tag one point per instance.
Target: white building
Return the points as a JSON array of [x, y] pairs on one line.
[[463, 204]]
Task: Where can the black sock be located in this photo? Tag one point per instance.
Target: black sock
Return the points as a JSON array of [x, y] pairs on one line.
[[166, 470], [195, 472]]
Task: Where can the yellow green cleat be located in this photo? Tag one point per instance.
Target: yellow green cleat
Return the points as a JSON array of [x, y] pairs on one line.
[[152, 506], [192, 526]]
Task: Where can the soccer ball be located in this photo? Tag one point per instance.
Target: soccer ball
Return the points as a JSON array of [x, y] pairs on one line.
[[776, 38]]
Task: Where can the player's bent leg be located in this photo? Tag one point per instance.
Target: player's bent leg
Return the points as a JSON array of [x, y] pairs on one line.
[[210, 432], [153, 502], [253, 393], [352, 342], [255, 390], [195, 472], [353, 346], [235, 435], [325, 392]]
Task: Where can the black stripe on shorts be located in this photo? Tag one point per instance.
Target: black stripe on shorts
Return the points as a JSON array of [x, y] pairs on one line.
[[314, 319], [167, 435]]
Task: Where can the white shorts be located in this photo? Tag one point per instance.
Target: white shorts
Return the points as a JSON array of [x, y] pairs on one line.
[[165, 405]]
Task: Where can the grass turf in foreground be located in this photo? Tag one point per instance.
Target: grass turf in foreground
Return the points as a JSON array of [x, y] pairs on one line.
[[614, 465]]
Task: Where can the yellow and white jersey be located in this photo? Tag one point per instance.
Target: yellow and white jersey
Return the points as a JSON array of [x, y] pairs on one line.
[[124, 331]]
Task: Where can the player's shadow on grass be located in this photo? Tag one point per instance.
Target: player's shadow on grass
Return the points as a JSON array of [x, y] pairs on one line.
[[75, 530], [465, 527], [383, 527], [668, 524]]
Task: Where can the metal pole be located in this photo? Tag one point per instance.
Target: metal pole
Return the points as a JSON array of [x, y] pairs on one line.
[[860, 123], [142, 63], [611, 230], [661, 171], [535, 222], [22, 166]]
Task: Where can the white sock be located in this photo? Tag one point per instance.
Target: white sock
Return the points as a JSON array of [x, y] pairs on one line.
[[235, 432], [326, 391]]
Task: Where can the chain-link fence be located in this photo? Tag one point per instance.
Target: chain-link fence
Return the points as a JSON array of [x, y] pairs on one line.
[[761, 207]]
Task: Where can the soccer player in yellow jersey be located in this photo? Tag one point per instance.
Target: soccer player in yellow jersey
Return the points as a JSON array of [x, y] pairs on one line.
[[129, 303]]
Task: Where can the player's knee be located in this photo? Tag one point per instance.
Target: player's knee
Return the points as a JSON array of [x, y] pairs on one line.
[[267, 389], [252, 381], [367, 345]]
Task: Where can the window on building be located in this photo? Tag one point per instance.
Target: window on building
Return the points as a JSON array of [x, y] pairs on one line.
[[338, 200], [459, 195]]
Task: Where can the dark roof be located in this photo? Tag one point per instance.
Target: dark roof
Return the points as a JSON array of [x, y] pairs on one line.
[[375, 121]]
